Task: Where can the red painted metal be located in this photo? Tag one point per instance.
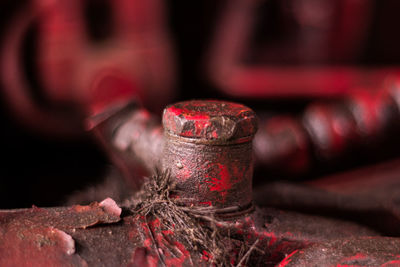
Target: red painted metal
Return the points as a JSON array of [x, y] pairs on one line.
[[282, 143], [84, 75], [218, 134], [137, 50], [132, 137], [331, 129], [355, 252], [299, 63], [327, 131], [208, 151], [368, 195], [99, 234], [206, 145], [16, 87], [210, 121]]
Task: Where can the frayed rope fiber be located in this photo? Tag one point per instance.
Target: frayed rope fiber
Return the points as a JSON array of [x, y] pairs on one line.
[[196, 226]]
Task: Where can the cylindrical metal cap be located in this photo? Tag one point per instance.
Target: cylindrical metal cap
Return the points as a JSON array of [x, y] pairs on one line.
[[210, 121], [208, 150]]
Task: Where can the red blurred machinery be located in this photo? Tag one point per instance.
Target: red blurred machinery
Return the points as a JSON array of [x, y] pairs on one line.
[[292, 49], [205, 216], [102, 78], [78, 71]]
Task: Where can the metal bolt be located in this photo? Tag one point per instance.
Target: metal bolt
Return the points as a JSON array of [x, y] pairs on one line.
[[208, 149]]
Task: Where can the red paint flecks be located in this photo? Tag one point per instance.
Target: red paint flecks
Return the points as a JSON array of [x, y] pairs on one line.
[[195, 118], [174, 110], [272, 238], [189, 114], [221, 183], [155, 232], [180, 260], [287, 260], [392, 263], [206, 203], [167, 232], [200, 125], [206, 256], [358, 256]]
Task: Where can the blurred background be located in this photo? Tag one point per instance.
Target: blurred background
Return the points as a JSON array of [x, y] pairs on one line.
[[321, 74]]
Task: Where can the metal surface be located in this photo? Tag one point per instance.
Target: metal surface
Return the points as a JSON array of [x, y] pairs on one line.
[[133, 139], [327, 131], [78, 75], [354, 252], [100, 235], [208, 151], [61, 71], [304, 54]]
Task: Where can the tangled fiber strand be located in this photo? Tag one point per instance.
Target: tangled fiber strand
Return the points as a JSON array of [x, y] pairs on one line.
[[196, 226]]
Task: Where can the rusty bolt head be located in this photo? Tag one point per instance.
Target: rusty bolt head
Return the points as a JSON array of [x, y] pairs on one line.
[[208, 150], [210, 121]]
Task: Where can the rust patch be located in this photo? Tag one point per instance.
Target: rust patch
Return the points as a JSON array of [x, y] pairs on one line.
[[38, 246], [367, 251]]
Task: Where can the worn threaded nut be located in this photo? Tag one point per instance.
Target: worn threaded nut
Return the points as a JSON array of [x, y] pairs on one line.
[[208, 149]]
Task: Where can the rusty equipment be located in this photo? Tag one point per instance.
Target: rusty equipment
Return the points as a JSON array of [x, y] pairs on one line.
[[215, 137], [328, 131], [282, 49], [79, 68]]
